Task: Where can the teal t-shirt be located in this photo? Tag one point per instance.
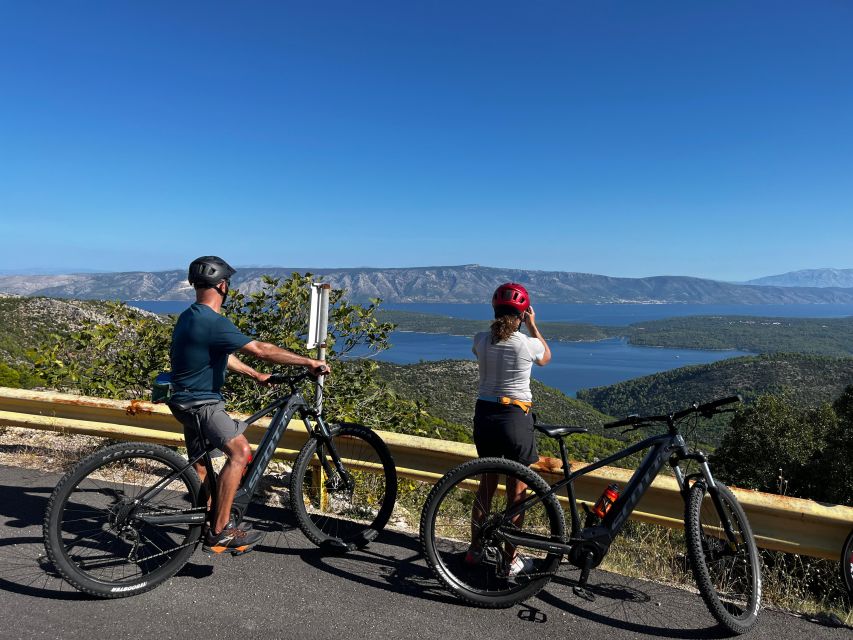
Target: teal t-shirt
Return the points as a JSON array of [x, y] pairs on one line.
[[201, 343]]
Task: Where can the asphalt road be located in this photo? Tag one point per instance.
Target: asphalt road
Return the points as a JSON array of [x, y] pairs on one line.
[[286, 588]]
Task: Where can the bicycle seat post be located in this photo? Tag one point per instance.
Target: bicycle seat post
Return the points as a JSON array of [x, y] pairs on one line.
[[570, 493]]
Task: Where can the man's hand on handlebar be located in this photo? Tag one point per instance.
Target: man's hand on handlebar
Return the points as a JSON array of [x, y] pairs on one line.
[[319, 368]]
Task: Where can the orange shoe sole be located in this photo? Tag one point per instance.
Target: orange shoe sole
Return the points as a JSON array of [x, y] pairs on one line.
[[234, 550]]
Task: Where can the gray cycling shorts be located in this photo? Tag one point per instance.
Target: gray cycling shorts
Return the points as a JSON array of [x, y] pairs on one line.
[[216, 424]]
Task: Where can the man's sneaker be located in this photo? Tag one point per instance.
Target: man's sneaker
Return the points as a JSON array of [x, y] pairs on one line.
[[520, 566], [231, 539], [243, 526]]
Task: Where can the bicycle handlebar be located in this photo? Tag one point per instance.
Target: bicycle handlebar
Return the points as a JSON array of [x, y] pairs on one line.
[[714, 404], [624, 422], [707, 410], [281, 378]]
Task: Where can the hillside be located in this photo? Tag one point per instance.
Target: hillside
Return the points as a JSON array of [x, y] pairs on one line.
[[820, 336], [433, 323], [26, 322], [448, 389], [808, 380], [457, 284]]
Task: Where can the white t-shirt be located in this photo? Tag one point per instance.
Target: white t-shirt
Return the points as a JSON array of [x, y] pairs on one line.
[[505, 366]]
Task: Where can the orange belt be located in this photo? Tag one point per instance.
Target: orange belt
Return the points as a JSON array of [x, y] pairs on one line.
[[523, 404]]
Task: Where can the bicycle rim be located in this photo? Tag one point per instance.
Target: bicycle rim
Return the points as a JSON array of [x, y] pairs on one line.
[[449, 533], [93, 532], [350, 508], [728, 573]]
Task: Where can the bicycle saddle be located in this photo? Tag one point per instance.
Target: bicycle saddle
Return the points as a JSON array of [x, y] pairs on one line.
[[190, 404], [557, 431]]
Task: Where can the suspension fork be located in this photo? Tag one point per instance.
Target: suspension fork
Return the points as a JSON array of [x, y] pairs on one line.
[[710, 485], [324, 436]]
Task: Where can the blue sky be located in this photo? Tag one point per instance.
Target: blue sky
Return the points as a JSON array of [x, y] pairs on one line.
[[712, 139]]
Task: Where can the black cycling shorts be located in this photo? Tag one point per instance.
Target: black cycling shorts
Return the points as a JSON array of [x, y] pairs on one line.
[[504, 431]]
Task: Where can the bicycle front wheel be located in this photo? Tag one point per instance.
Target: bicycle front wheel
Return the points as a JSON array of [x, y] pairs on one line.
[[98, 528], [461, 525], [726, 566], [343, 508], [847, 564]]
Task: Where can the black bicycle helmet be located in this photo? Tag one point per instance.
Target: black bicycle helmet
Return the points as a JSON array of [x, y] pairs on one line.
[[209, 271]]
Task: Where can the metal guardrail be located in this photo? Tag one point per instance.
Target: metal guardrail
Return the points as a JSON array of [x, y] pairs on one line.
[[780, 523]]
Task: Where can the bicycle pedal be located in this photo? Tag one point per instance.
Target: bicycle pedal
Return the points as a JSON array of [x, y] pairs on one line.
[[585, 594], [241, 551], [366, 537], [234, 551], [337, 545]]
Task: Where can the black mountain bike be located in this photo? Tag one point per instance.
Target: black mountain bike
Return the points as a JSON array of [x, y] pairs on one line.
[[517, 543], [129, 516]]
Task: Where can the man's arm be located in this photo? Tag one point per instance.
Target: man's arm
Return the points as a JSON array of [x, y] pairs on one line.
[[238, 366], [271, 353]]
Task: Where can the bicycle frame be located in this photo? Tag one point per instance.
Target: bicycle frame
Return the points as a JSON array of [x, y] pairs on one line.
[[662, 449], [285, 408]]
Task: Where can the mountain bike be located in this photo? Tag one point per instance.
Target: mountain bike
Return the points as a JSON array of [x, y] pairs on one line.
[[473, 530], [129, 516]]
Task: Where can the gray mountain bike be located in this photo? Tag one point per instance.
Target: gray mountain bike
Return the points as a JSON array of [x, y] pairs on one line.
[[129, 516]]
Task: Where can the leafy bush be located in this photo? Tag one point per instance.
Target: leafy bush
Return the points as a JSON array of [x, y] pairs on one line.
[[809, 445], [112, 358]]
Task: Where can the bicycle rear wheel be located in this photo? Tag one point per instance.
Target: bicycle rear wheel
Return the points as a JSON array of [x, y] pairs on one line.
[[344, 511], [447, 533], [727, 571], [96, 534], [847, 564]]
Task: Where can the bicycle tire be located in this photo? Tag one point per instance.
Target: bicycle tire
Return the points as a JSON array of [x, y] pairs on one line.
[[336, 516], [730, 583], [847, 565], [445, 532], [91, 534]]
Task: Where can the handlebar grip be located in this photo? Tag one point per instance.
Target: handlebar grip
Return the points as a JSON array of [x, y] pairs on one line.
[[278, 378], [710, 406], [624, 422]]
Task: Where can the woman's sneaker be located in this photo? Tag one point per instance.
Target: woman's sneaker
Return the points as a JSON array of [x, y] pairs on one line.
[[231, 539]]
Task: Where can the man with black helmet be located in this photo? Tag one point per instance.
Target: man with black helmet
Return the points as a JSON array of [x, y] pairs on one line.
[[203, 346]]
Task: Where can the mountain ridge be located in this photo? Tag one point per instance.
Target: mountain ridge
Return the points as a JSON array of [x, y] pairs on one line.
[[808, 278], [447, 284]]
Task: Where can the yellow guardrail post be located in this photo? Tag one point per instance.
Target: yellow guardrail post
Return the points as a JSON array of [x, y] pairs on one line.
[[779, 522]]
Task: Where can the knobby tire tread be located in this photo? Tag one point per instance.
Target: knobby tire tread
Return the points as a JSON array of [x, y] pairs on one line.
[[534, 483], [66, 485], [693, 512], [300, 466]]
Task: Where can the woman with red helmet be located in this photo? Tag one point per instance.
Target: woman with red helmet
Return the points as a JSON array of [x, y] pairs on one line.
[[503, 424]]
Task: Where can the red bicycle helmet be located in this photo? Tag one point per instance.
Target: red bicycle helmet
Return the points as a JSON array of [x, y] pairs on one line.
[[511, 295]]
